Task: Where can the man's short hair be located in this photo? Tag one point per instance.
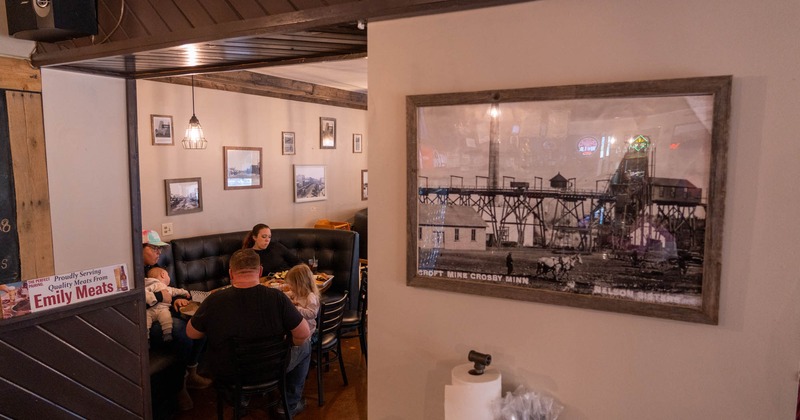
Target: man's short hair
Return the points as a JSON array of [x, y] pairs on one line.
[[244, 260]]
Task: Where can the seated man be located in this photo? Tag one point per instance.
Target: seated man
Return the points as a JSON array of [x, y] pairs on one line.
[[249, 310]]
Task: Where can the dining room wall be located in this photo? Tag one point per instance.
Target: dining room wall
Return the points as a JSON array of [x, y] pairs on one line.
[[600, 365], [234, 119]]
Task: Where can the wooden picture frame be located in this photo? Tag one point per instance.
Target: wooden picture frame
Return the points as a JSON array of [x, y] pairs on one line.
[[162, 130], [310, 183], [604, 196], [288, 145], [183, 196], [327, 133], [363, 184], [242, 167], [357, 143]]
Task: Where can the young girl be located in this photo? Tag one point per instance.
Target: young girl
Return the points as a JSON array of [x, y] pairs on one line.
[[304, 293]]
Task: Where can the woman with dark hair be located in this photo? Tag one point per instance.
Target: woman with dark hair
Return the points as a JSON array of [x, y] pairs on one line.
[[274, 255]]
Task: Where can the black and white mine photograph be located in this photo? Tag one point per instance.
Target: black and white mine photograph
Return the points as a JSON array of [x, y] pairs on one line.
[[605, 198]]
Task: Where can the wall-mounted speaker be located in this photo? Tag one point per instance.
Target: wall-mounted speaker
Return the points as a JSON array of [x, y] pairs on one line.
[[51, 20]]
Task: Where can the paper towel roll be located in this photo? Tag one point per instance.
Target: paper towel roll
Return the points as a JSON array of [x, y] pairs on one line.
[[470, 396]]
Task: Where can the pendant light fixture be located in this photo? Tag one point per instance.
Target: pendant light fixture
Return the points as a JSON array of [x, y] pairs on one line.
[[194, 138]]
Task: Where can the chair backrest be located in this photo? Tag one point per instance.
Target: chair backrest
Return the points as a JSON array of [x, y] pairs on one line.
[[329, 317], [362, 294], [260, 360]]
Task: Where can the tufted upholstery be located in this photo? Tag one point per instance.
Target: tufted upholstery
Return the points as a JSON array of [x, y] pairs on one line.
[[201, 262]]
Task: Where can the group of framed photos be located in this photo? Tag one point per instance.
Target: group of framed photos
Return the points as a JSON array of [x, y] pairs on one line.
[[327, 138], [242, 168], [162, 134]]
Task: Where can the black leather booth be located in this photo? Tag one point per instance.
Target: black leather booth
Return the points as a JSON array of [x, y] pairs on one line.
[[201, 262]]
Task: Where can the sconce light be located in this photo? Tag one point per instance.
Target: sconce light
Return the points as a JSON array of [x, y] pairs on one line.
[[194, 138]]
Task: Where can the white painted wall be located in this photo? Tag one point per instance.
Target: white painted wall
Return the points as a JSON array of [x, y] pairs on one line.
[[87, 165], [231, 119], [601, 365]]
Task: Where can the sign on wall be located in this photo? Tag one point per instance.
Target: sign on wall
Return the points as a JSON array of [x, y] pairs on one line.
[[9, 240]]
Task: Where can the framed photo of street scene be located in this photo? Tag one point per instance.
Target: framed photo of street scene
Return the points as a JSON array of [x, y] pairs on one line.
[[161, 130], [601, 196], [242, 167], [309, 183], [184, 195]]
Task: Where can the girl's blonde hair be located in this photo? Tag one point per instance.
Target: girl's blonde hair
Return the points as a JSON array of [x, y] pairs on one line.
[[302, 280]]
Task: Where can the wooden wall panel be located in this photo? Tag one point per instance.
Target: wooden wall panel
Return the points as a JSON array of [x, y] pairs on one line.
[[26, 132], [67, 367], [19, 75]]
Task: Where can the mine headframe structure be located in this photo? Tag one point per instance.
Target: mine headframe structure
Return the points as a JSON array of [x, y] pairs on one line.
[[668, 203]]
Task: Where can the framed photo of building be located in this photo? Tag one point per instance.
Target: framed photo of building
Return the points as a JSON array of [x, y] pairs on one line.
[[604, 196], [356, 143], [327, 133], [363, 184], [161, 130], [309, 183], [183, 196], [242, 167], [287, 143]]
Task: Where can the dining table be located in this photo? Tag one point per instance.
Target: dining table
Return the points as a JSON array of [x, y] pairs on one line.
[[273, 280]]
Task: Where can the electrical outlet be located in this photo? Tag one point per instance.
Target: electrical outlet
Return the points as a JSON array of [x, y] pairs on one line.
[[166, 229]]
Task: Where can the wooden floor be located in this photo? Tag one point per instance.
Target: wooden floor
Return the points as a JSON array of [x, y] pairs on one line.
[[341, 402]]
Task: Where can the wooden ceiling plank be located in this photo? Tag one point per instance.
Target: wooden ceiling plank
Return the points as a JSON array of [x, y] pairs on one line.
[[162, 72], [221, 11], [169, 14], [308, 4], [282, 90], [147, 16], [276, 7], [195, 13], [248, 9]]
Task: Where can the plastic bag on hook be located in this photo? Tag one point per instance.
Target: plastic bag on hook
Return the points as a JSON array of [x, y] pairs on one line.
[[526, 405]]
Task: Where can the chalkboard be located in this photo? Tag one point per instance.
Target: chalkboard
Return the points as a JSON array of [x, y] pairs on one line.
[[9, 239]]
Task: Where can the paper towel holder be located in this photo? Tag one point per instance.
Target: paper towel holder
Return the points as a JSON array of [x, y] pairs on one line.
[[481, 360]]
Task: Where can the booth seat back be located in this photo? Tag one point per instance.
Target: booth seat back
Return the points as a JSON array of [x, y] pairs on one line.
[[201, 262]]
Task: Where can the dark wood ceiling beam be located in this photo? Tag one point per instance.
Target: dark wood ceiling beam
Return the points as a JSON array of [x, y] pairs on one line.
[[275, 24], [250, 83]]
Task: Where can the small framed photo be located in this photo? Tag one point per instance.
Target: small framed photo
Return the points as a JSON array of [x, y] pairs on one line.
[[161, 130], [184, 195], [242, 167], [287, 143], [309, 183], [356, 143], [363, 184], [327, 133]]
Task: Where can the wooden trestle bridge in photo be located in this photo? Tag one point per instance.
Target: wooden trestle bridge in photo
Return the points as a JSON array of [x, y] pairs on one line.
[[609, 214]]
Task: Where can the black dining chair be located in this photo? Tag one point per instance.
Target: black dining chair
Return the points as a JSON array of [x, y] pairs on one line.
[[354, 321], [329, 322], [260, 365]]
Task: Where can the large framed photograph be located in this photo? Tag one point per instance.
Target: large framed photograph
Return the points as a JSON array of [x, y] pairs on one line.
[[327, 133], [356, 143], [184, 195], [287, 143], [161, 130], [242, 166], [309, 183], [604, 196], [363, 184]]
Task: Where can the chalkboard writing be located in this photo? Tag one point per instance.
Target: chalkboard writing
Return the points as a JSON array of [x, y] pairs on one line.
[[9, 239]]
